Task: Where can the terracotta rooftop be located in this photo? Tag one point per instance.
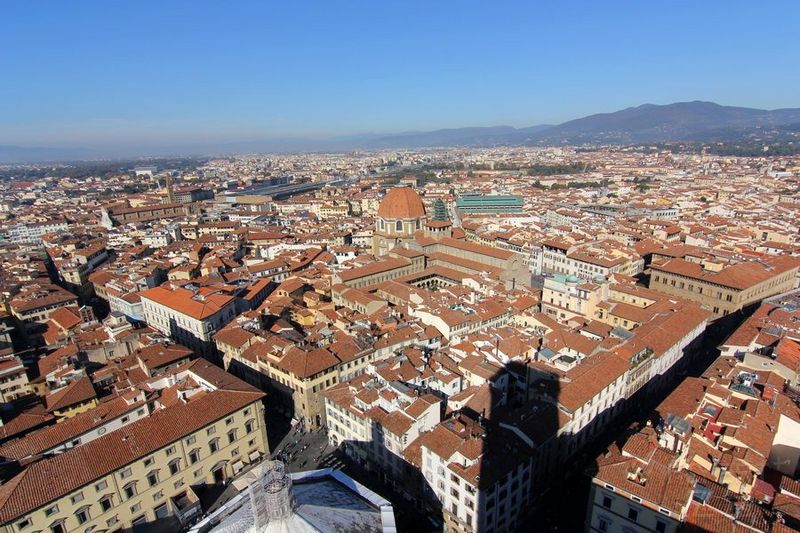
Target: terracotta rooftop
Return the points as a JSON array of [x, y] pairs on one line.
[[78, 391], [739, 276], [401, 203], [182, 301], [48, 479]]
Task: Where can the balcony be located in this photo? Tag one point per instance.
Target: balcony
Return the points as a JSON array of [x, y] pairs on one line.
[[641, 357]]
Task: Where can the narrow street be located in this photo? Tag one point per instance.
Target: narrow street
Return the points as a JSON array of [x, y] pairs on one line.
[[565, 504], [303, 450]]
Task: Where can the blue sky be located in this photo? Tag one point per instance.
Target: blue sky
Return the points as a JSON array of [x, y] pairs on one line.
[[83, 73]]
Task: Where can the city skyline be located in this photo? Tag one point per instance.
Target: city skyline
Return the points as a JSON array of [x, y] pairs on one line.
[[399, 267], [466, 332], [93, 76]]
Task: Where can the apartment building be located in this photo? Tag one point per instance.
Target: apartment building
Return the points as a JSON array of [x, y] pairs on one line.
[[638, 489], [232, 342], [296, 375], [653, 350], [476, 477], [591, 373], [32, 306], [193, 194], [13, 379], [565, 297], [587, 261], [722, 447], [32, 233], [300, 377], [201, 426], [189, 315], [563, 216], [481, 482], [725, 289], [327, 211], [225, 227], [356, 299], [770, 335], [457, 321], [71, 399], [375, 422], [276, 269], [76, 264]]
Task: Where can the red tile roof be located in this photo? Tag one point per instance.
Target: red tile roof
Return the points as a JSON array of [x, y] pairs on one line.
[[401, 202], [739, 276], [49, 479], [182, 301], [78, 391]]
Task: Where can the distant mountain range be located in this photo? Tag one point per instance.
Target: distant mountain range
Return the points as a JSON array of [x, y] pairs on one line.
[[648, 123], [685, 121]]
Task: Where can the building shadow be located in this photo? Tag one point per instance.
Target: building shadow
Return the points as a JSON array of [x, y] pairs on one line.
[[414, 508], [205, 349], [484, 467], [278, 425], [640, 418]]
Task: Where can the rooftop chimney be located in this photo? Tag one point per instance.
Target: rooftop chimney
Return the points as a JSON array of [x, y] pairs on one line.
[[637, 476], [722, 471]]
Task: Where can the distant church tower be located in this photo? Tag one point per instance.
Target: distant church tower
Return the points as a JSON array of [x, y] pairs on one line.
[[170, 190]]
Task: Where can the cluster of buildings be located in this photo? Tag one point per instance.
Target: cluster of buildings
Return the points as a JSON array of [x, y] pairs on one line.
[[133, 458], [720, 452], [465, 333]]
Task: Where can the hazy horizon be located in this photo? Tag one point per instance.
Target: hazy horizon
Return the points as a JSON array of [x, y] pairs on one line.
[[106, 76]]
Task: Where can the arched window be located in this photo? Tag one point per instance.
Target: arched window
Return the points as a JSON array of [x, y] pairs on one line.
[[399, 225], [418, 223], [382, 224]]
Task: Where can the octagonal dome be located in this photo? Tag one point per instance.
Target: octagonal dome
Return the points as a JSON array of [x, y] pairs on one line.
[[401, 203]]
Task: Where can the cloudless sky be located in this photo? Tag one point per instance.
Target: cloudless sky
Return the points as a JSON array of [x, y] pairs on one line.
[[84, 73]]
